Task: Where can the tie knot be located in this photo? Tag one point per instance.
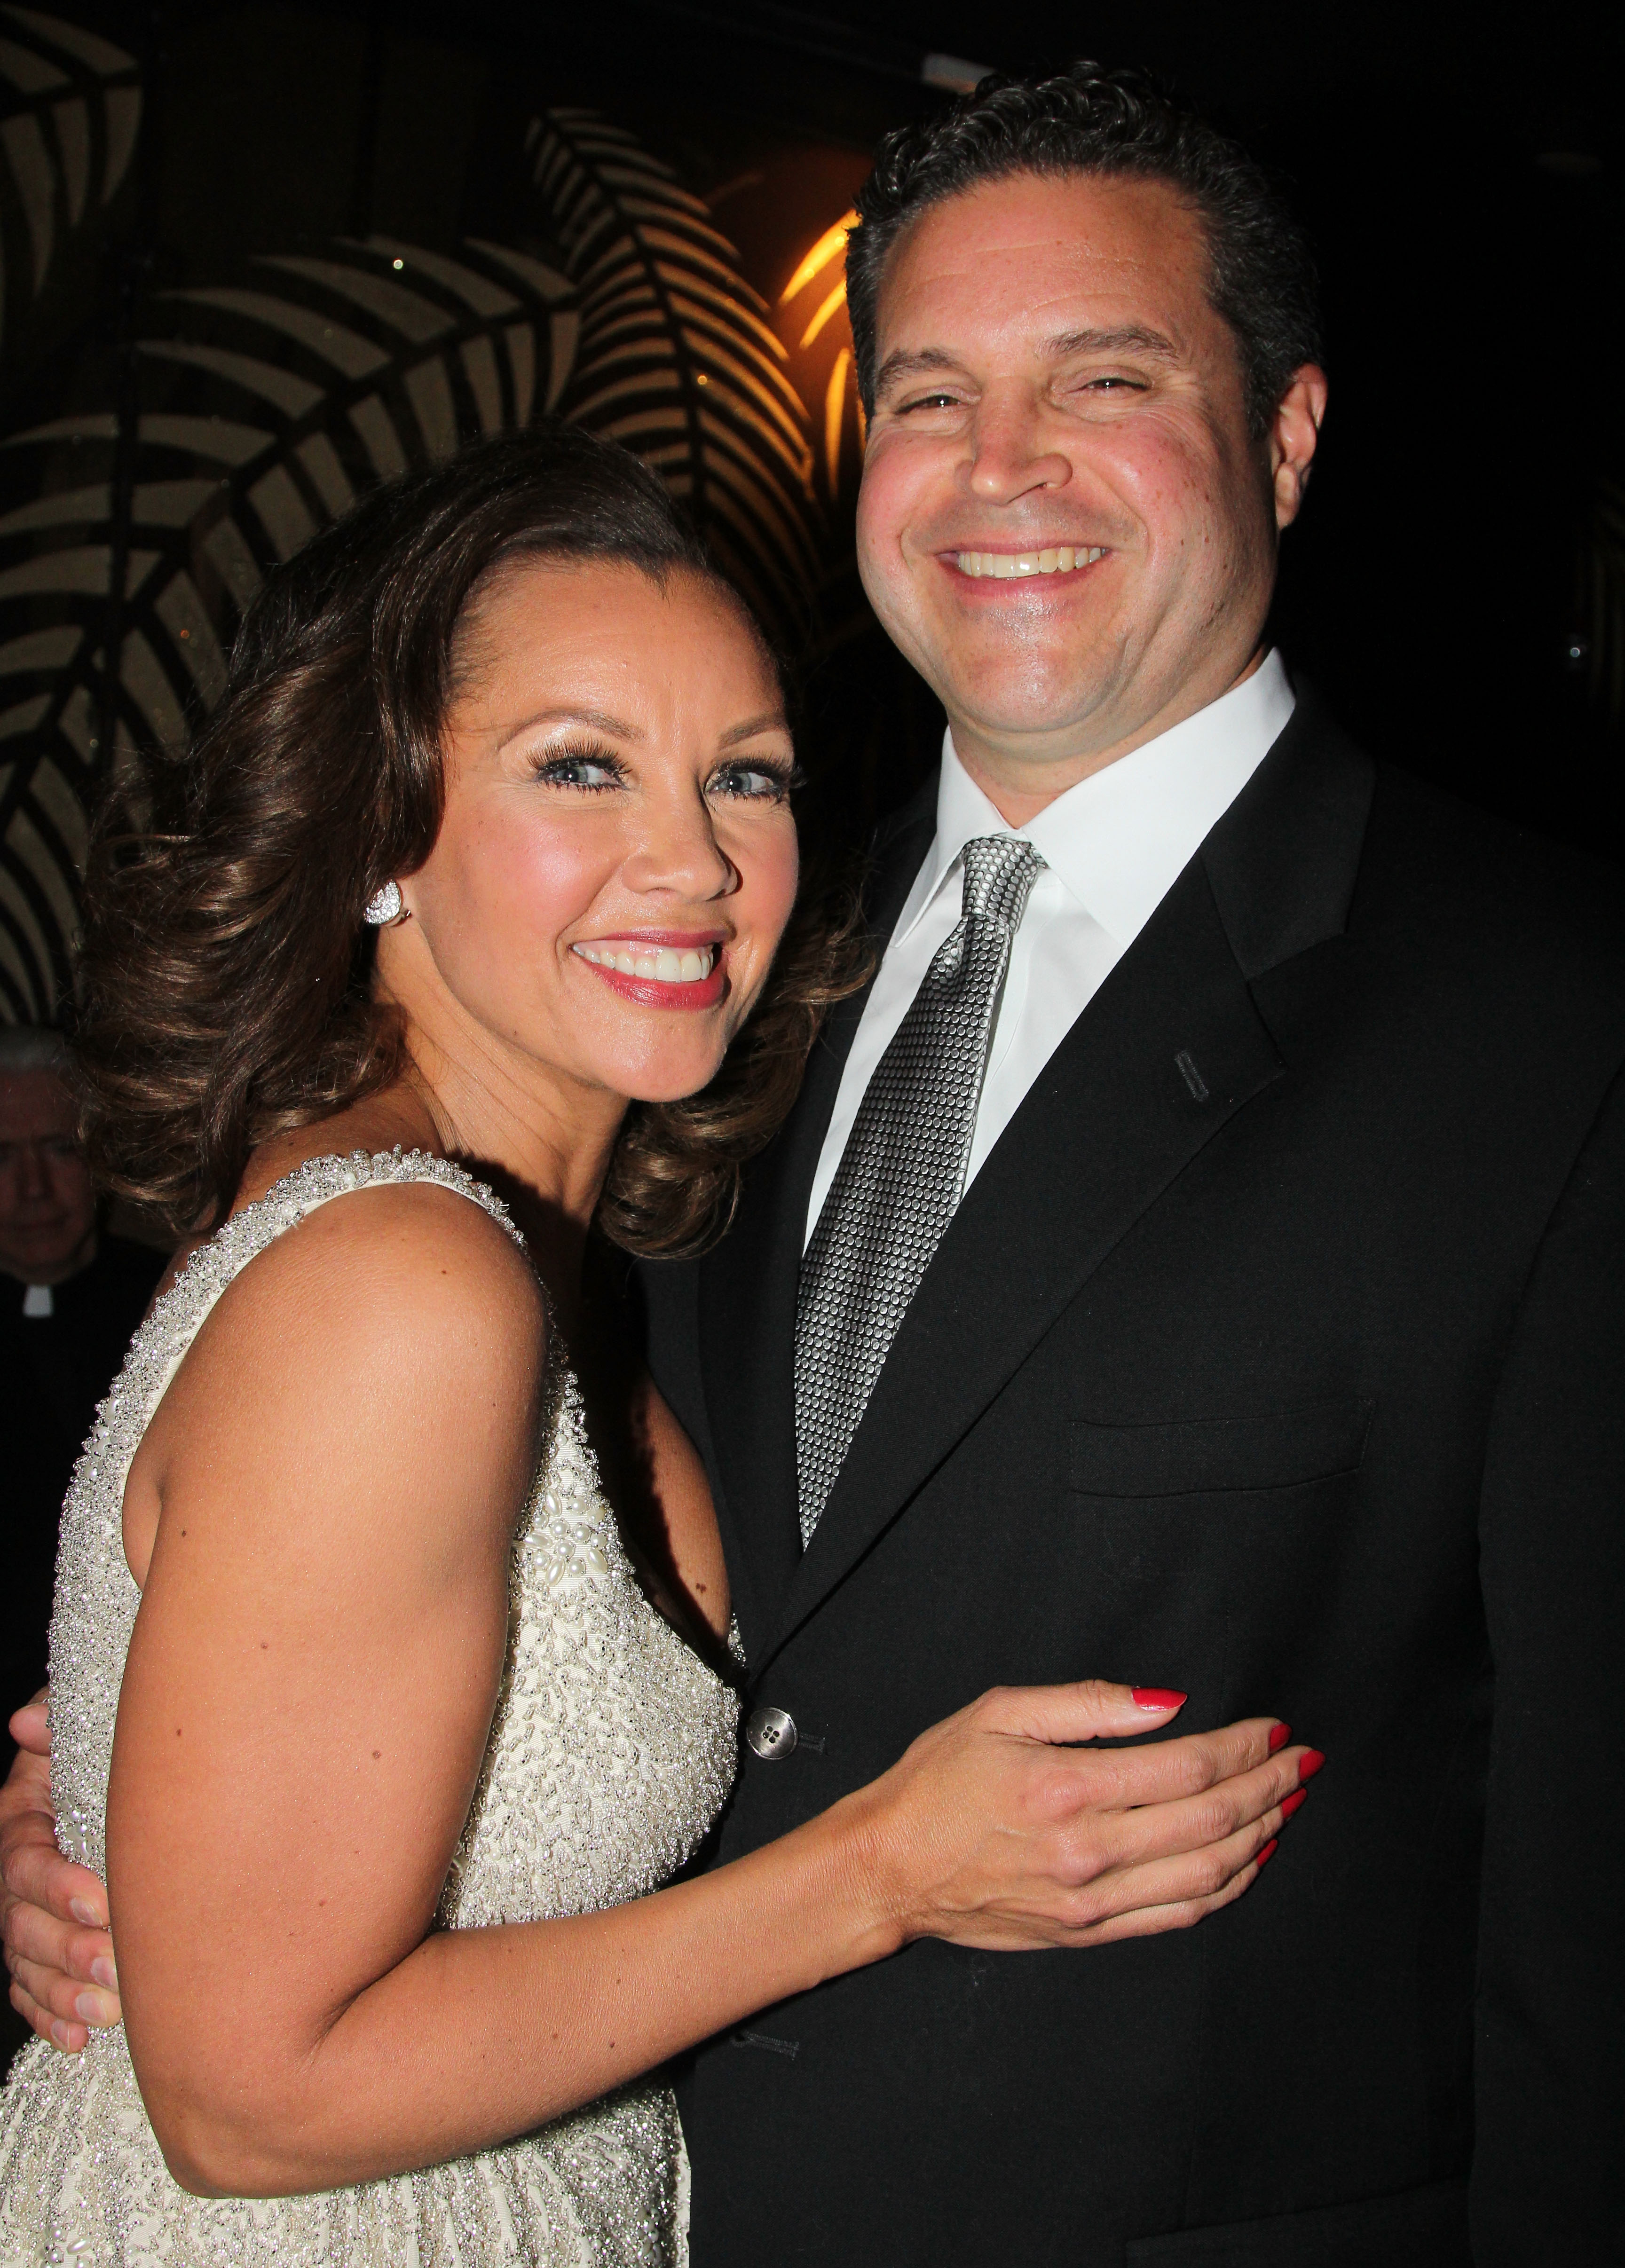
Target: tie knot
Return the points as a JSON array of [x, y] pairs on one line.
[[999, 871]]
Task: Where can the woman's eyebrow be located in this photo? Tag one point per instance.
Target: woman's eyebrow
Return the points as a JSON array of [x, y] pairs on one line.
[[598, 719], [771, 720]]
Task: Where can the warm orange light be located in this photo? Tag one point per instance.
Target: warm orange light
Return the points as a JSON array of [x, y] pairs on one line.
[[834, 411], [836, 298], [832, 241]]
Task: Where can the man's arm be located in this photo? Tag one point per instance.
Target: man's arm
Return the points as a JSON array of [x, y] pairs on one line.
[[53, 1914], [1548, 2180]]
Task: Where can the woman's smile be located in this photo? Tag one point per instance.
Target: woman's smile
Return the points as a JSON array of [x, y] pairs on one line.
[[660, 969]]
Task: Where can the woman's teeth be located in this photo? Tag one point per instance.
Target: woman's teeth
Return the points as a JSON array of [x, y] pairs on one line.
[[1002, 566], [664, 967]]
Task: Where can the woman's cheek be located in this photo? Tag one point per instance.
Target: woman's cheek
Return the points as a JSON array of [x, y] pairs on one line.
[[780, 871], [769, 871], [551, 876]]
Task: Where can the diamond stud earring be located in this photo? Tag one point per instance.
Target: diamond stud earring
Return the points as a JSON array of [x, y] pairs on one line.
[[384, 906]]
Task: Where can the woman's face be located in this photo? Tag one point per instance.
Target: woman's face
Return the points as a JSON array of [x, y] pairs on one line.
[[618, 859]]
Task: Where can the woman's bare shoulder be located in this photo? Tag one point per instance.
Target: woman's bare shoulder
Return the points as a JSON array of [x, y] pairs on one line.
[[393, 1320], [420, 1267]]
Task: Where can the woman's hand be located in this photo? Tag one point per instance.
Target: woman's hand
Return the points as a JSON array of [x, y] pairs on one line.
[[994, 1831], [53, 1914]]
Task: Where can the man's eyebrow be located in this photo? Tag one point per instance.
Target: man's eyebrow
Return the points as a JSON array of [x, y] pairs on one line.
[[912, 362], [1121, 338], [1118, 338]]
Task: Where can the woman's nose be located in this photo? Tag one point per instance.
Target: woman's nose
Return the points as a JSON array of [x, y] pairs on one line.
[[680, 854]]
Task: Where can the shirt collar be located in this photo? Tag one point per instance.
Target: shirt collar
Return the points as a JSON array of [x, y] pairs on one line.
[[1118, 840]]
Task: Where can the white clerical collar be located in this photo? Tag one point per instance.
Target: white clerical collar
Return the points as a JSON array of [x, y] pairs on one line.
[[1119, 839]]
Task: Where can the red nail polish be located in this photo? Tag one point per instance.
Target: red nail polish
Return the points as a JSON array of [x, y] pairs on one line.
[[1267, 1852], [1291, 1803], [1279, 1738], [1311, 1765], [1158, 1696]]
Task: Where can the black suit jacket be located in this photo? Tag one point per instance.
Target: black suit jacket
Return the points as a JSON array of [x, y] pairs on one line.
[[1273, 1354]]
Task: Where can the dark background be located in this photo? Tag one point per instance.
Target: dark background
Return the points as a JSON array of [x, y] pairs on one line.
[[1457, 585]]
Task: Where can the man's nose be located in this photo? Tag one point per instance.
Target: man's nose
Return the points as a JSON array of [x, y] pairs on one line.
[[1011, 453], [33, 1171]]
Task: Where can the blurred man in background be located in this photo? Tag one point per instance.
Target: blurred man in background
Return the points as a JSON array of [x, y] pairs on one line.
[[70, 1297]]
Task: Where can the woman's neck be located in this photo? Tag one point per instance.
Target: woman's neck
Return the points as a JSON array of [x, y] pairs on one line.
[[542, 1142], [542, 1145]]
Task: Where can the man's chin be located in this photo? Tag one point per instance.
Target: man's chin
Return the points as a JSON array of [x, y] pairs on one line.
[[1033, 686], [34, 1259], [1062, 718]]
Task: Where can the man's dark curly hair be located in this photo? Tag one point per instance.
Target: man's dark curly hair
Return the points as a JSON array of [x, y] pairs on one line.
[[1120, 124]]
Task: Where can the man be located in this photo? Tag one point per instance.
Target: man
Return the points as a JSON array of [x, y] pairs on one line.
[[1245, 1315], [1195, 1257], [69, 1298]]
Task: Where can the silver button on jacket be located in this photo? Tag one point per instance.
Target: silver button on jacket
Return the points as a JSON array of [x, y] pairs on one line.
[[770, 1732]]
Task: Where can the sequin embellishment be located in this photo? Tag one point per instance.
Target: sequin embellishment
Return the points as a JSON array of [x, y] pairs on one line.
[[612, 1751]]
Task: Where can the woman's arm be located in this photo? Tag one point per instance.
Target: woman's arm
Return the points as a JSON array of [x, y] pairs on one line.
[[338, 1465], [321, 1516]]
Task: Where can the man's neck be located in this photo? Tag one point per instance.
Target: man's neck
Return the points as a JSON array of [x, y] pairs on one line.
[[1020, 783]]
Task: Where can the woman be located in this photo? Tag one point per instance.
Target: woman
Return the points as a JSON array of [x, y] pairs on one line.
[[403, 1751]]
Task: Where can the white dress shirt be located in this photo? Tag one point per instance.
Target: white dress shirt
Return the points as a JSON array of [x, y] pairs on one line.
[[1113, 848]]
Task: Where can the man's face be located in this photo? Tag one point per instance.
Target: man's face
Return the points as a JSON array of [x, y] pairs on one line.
[[1053, 383], [47, 1206]]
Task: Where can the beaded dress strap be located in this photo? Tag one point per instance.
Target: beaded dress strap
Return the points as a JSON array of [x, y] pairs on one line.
[[289, 1201], [335, 1174]]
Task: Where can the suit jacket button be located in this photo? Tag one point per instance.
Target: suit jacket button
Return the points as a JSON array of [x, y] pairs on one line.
[[771, 1734]]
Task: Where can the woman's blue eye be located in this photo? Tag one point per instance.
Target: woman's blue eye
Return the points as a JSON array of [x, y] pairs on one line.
[[579, 771], [753, 783]]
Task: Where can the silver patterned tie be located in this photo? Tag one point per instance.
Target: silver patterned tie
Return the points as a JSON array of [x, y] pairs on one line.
[[903, 1171]]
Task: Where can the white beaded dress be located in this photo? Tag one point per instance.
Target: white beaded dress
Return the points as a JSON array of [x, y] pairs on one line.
[[611, 1752]]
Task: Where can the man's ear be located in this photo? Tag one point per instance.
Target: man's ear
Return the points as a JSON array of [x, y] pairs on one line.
[[1292, 439]]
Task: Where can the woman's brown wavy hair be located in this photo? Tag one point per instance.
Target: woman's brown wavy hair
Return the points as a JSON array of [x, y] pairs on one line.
[[226, 973]]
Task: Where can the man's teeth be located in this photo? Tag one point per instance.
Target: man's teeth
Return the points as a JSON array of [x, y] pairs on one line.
[[664, 967], [1004, 565]]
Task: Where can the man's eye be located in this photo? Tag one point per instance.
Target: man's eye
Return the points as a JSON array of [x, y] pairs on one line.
[[929, 401], [753, 783]]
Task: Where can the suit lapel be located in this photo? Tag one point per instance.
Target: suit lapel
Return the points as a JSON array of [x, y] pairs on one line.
[[748, 1283], [1168, 1051]]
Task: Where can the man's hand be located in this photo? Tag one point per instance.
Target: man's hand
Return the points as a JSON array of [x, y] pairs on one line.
[[53, 1914]]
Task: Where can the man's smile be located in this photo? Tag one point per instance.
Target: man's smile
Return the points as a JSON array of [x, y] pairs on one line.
[[1007, 566]]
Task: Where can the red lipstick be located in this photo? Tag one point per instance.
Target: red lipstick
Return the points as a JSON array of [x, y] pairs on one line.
[[655, 992]]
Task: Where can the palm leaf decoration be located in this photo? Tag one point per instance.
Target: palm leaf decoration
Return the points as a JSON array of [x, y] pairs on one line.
[[677, 360], [265, 408], [69, 107]]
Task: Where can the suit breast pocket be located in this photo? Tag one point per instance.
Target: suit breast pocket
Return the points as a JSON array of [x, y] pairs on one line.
[[1219, 1456], [1195, 1543]]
